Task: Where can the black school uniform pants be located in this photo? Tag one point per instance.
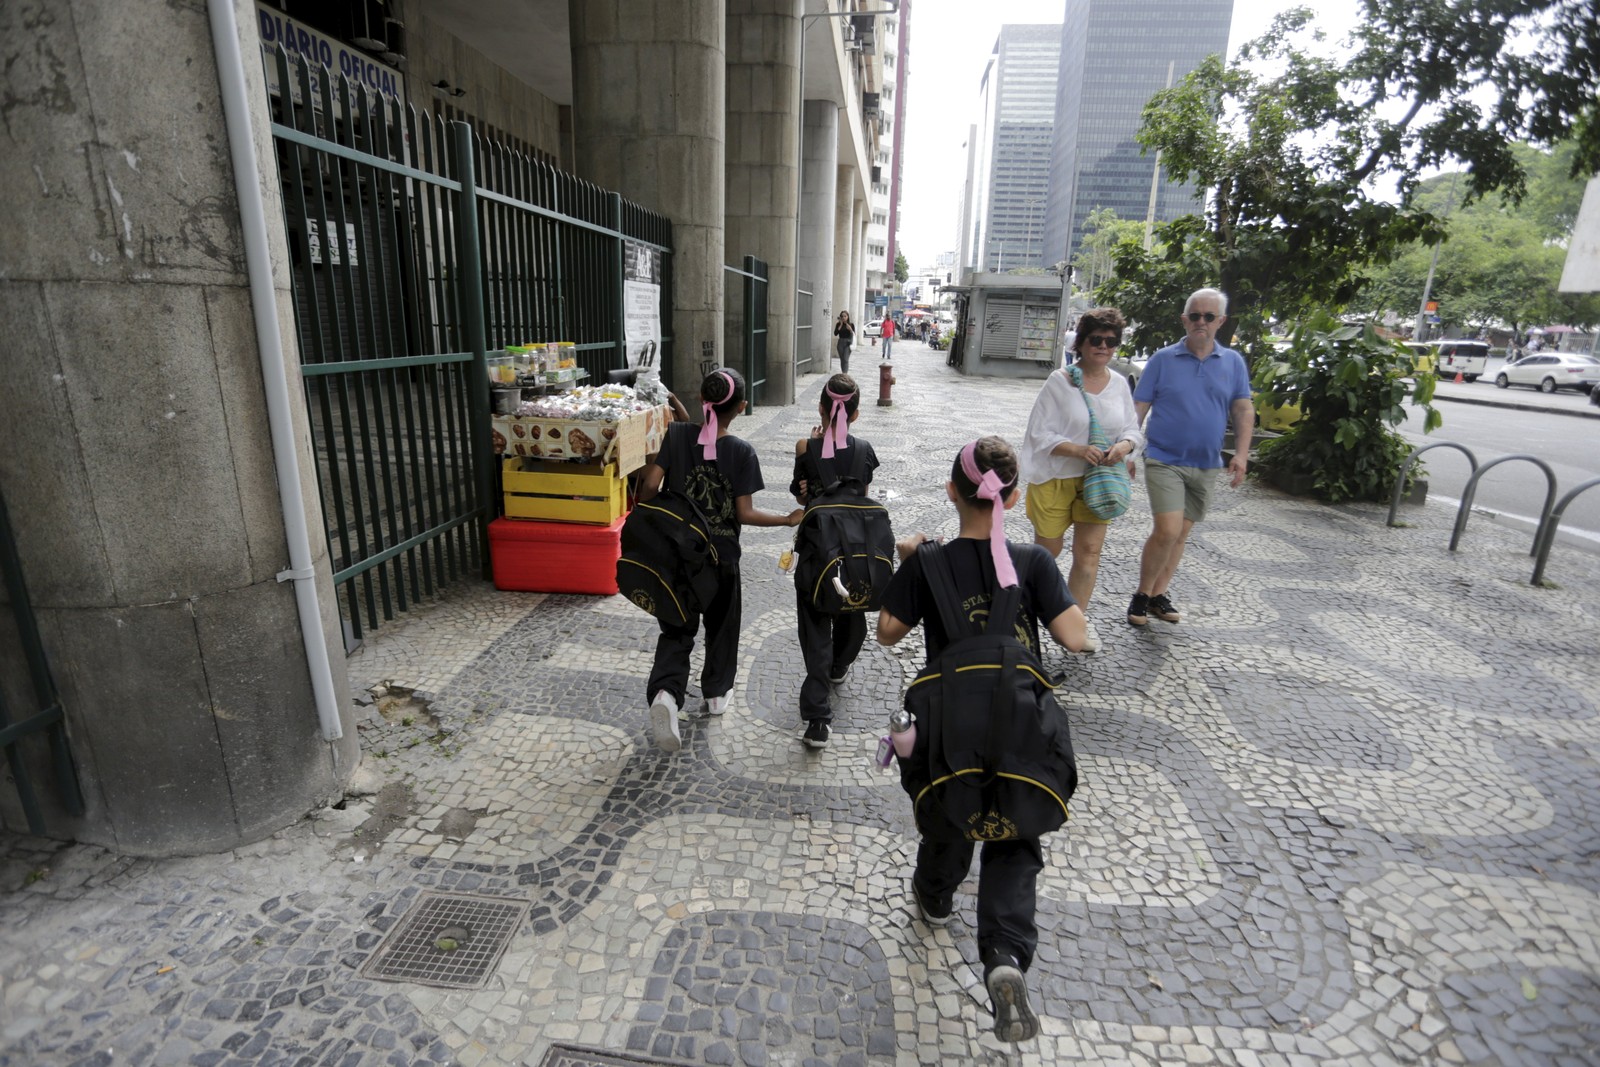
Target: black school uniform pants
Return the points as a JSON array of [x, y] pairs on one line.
[[827, 643], [1008, 871], [673, 647]]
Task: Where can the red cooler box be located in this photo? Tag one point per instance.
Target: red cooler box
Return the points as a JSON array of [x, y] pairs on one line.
[[555, 557]]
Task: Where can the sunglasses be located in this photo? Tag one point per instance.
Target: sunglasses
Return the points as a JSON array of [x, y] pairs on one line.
[[1197, 316], [1103, 340]]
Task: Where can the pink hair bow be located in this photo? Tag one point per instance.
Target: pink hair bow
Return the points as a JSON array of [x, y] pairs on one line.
[[837, 434], [708, 430], [992, 489]]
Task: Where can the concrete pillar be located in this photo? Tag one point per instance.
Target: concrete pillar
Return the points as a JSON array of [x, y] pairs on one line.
[[846, 295], [819, 160], [137, 465], [859, 240], [649, 118], [763, 170]]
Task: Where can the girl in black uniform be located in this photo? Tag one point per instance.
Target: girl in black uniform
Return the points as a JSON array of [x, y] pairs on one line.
[[983, 486]]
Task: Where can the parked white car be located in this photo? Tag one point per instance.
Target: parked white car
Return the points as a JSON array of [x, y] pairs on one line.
[[1549, 371]]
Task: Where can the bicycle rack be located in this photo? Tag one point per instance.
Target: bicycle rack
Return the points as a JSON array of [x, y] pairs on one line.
[[1545, 538], [1472, 490], [1400, 482]]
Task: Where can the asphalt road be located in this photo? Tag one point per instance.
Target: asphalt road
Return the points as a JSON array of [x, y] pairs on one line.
[[1562, 429]]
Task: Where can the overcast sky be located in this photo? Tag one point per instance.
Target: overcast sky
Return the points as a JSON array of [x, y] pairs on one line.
[[950, 42]]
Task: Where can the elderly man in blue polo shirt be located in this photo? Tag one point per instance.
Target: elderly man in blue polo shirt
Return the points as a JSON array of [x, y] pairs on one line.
[[1188, 391]]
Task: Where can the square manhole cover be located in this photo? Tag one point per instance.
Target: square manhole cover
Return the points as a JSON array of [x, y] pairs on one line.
[[447, 939], [567, 1056]]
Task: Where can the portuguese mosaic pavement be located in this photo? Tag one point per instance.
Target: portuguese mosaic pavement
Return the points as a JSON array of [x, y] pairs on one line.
[[1345, 812]]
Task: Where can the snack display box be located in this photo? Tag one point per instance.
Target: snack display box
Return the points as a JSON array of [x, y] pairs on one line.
[[555, 557], [625, 442], [563, 491]]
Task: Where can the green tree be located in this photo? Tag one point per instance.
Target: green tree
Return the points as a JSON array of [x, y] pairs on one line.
[[1314, 164], [1149, 287], [1500, 262], [902, 269], [1102, 231], [1351, 388]]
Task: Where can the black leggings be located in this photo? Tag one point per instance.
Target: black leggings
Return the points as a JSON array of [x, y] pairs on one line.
[[673, 647], [1007, 873]]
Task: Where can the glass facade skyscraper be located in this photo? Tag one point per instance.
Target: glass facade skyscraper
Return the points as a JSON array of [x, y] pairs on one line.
[[1004, 217], [1115, 55]]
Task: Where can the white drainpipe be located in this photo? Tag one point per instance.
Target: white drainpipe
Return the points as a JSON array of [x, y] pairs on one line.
[[274, 374]]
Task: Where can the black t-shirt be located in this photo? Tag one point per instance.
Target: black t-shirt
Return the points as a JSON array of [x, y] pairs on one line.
[[805, 465], [1044, 592], [714, 485]]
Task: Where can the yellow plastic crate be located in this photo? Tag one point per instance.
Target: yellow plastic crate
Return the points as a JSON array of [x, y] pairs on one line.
[[563, 492]]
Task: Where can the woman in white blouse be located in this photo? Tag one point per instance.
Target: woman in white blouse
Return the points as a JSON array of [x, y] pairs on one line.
[[1056, 452]]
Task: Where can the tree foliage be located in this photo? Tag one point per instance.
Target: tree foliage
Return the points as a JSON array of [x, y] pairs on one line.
[[1103, 230], [1313, 163], [1351, 388], [902, 269], [1500, 262]]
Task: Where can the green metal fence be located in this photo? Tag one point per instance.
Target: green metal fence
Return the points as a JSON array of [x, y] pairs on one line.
[[42, 718], [416, 248], [745, 323]]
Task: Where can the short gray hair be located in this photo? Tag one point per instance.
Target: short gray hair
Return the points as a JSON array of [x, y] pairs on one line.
[[1207, 294]]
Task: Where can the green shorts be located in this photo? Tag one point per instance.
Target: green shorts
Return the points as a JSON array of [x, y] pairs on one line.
[[1174, 488]]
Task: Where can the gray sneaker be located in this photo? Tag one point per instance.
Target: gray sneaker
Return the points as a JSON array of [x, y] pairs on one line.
[[1014, 1020], [664, 722]]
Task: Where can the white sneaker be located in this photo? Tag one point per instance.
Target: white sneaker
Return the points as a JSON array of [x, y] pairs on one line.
[[664, 722], [1091, 639], [717, 705]]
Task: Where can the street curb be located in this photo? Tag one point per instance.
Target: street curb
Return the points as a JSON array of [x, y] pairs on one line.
[[1573, 412]]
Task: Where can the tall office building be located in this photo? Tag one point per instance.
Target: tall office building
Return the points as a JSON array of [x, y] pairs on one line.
[[883, 223], [1115, 55], [1003, 218]]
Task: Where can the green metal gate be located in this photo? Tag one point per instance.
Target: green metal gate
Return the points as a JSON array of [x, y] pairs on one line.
[[44, 715], [746, 323], [417, 248]]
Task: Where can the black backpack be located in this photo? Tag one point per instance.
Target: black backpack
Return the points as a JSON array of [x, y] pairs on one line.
[[844, 546], [668, 564], [993, 758]]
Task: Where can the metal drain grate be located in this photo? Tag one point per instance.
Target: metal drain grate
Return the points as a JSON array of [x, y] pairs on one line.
[[447, 939], [566, 1056]]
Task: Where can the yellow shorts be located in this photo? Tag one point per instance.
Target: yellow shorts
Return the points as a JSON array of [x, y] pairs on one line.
[[1057, 504]]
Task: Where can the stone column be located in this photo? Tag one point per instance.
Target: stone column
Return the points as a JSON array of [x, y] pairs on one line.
[[819, 160], [137, 466], [859, 241], [763, 170], [649, 114], [846, 294]]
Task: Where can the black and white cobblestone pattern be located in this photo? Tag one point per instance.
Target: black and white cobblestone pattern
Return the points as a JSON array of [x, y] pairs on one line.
[[1343, 813]]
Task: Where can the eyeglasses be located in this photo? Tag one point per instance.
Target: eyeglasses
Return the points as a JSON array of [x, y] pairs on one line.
[[1197, 316], [1103, 340]]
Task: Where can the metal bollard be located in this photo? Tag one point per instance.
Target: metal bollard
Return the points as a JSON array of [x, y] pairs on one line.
[[885, 380]]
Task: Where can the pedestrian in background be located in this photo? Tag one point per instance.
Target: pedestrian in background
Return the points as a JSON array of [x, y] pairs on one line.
[[1187, 392], [1056, 451], [720, 473], [888, 336], [844, 337]]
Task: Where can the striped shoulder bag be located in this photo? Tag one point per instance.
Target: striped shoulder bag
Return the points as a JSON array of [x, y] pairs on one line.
[[1106, 488]]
